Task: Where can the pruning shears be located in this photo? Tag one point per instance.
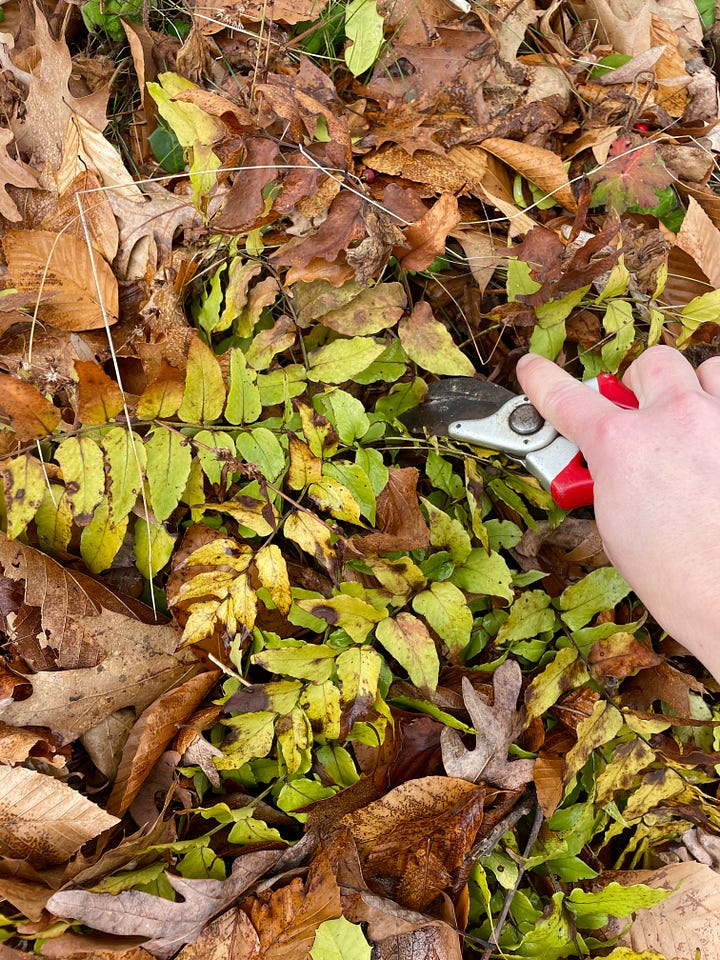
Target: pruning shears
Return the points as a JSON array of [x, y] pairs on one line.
[[484, 414]]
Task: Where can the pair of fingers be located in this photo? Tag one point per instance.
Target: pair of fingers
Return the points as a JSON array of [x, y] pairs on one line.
[[660, 373]]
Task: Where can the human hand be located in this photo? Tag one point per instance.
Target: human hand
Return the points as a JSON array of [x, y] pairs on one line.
[[657, 482]]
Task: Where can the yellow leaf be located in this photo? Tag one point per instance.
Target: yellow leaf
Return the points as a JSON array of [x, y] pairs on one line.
[[243, 401], [272, 571], [100, 540], [153, 547], [54, 519], [305, 467], [336, 499], [204, 396], [313, 536], [254, 514], [357, 617], [81, 462], [189, 123], [244, 601], [407, 640], [603, 724], [161, 398], [24, 485]]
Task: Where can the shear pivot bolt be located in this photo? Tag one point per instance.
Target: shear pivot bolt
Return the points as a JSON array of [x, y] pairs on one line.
[[525, 420]]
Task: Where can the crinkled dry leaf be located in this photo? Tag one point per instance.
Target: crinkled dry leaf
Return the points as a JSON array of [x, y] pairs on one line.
[[12, 174], [45, 820], [496, 727]]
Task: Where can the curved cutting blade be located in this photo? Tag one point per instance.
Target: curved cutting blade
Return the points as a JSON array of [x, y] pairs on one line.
[[453, 399]]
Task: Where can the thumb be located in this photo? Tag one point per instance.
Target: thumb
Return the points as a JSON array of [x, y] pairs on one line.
[[570, 406]]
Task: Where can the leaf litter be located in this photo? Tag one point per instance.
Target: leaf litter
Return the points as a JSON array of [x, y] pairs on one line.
[[279, 680]]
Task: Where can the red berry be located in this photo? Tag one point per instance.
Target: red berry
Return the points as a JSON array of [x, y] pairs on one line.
[[369, 176], [641, 127]]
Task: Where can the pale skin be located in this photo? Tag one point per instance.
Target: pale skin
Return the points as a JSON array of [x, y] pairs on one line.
[[657, 482]]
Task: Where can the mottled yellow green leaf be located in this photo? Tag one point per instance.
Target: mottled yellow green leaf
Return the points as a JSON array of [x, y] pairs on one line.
[[168, 466], [400, 577], [126, 459], [447, 532], [358, 670], [311, 535], [334, 497], [484, 573], [372, 309], [321, 703], [202, 622], [407, 640], [294, 738], [189, 123], [445, 608], [268, 343], [429, 344], [83, 470], [214, 449], [243, 400], [599, 590], [627, 761], [260, 516], [253, 736], [272, 572], [24, 485], [354, 615], [220, 552], [54, 519], [565, 672], [530, 615], [603, 724], [341, 360], [153, 547], [100, 540], [204, 396], [656, 786], [261, 449]]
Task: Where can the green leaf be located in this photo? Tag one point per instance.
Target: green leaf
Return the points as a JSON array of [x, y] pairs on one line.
[[364, 27], [83, 470], [530, 615], [340, 940], [153, 547], [168, 467], [407, 640], [342, 360], [188, 122], [249, 829], [618, 319], [551, 937], [484, 573], [599, 590], [702, 309], [204, 396], [614, 900], [101, 539], [261, 448], [214, 449], [344, 412], [25, 485], [447, 532], [126, 460], [445, 608], [311, 661], [243, 401], [208, 314], [301, 792]]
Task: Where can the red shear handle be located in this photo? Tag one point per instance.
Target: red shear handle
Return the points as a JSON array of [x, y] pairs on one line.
[[573, 485]]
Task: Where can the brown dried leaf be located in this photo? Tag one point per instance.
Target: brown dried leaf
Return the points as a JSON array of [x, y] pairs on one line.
[[345, 224], [164, 925], [400, 523], [413, 842], [700, 239], [212, 16], [13, 174], [244, 204], [45, 821], [140, 665], [31, 415], [152, 733], [231, 935], [428, 237], [496, 727], [541, 167], [80, 945], [40, 261], [620, 655], [100, 399]]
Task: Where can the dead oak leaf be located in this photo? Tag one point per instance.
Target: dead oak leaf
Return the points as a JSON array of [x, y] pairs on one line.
[[165, 925], [11, 174], [496, 727]]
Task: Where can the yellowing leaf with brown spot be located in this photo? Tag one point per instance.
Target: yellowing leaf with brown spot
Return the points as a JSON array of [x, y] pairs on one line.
[[58, 263], [354, 615], [627, 761], [81, 462], [50, 821], [305, 467], [407, 640], [336, 499], [244, 601], [429, 344], [204, 396], [603, 724], [126, 459], [272, 571], [31, 415], [257, 515], [162, 397], [24, 485], [54, 519], [313, 536], [99, 397]]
